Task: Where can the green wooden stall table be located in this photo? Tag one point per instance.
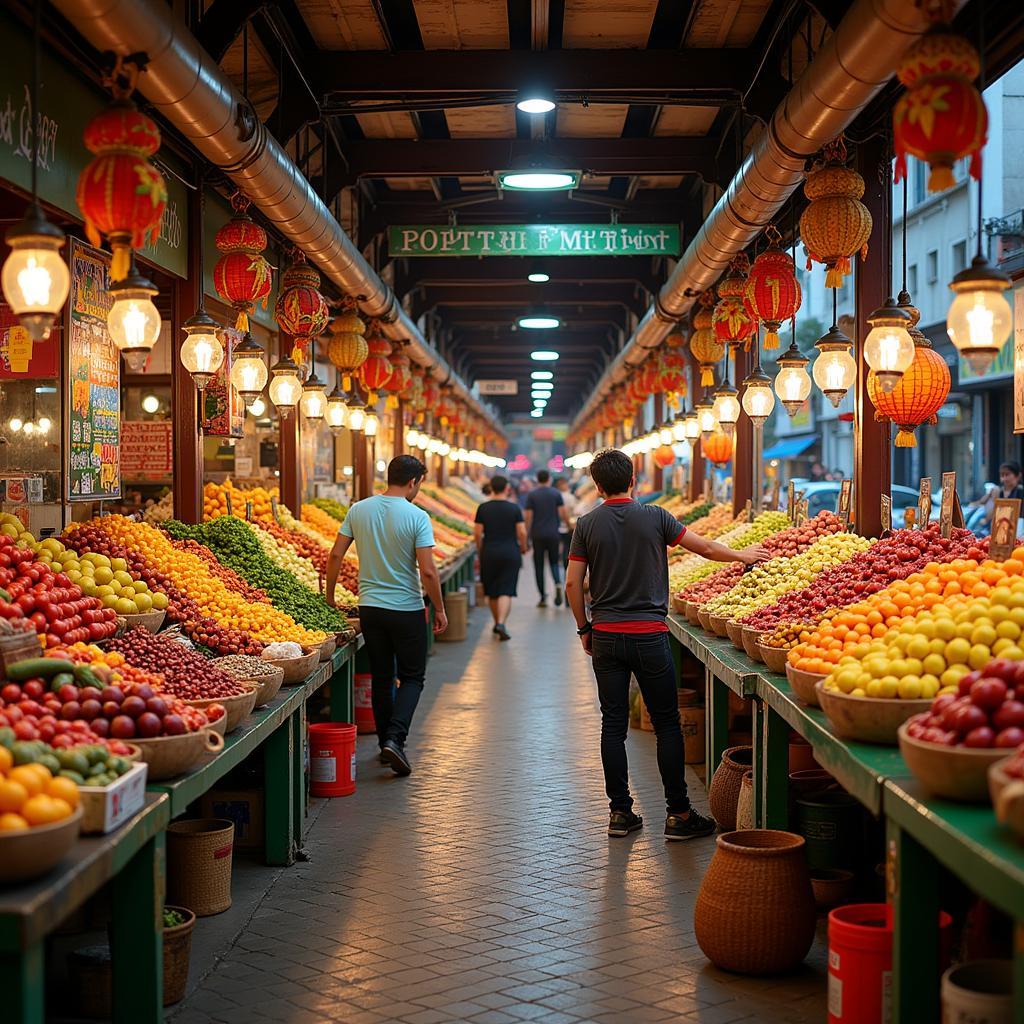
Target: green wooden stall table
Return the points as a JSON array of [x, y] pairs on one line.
[[132, 859]]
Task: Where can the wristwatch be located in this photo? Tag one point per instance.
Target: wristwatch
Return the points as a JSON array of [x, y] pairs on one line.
[[585, 630]]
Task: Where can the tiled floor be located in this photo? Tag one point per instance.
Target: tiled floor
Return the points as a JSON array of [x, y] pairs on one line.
[[484, 887]]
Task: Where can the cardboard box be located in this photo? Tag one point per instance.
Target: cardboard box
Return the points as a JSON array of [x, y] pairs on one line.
[[242, 806], [105, 808]]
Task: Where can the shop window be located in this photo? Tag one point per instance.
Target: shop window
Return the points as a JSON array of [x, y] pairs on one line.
[[959, 256], [932, 265], [912, 278], [918, 193]]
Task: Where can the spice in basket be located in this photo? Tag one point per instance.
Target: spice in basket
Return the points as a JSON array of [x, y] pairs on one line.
[[243, 666]]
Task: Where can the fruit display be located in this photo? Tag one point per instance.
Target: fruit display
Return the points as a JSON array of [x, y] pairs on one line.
[[216, 497], [324, 524], [719, 581], [235, 544], [227, 576], [160, 511], [443, 513], [244, 666], [714, 522], [765, 582], [32, 795], [90, 765], [333, 508], [285, 557]]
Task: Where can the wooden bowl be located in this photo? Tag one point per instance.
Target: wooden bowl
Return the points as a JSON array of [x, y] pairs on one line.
[[220, 725], [869, 719], [238, 708], [803, 684], [734, 631], [170, 756], [151, 621], [704, 620], [719, 624], [328, 647], [774, 657], [956, 773], [266, 686], [678, 605], [832, 886], [750, 644], [692, 608], [296, 669], [33, 852], [134, 753], [1007, 793]]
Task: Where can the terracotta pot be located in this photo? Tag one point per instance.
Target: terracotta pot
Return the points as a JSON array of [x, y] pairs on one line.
[[745, 802], [724, 792], [801, 754], [755, 911]]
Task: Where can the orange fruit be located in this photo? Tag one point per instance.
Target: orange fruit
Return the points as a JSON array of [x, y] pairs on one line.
[[64, 789], [44, 810], [6, 760], [10, 822], [12, 795], [28, 777]]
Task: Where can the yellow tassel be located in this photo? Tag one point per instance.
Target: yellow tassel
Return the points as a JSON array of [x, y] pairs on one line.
[[444, 421], [120, 263], [707, 376], [834, 277], [941, 178], [771, 340], [392, 402], [346, 382], [905, 439], [421, 417], [372, 398], [242, 321]]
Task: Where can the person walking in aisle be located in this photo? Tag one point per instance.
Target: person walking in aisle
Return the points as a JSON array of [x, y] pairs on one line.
[[565, 528], [624, 546], [545, 511], [395, 542], [501, 543]]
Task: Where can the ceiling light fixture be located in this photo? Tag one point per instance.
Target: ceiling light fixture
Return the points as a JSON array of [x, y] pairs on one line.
[[539, 180], [537, 413], [536, 103], [150, 404], [543, 356], [541, 375], [538, 277], [539, 322]]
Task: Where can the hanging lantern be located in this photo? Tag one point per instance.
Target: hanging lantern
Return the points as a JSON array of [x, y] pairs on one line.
[[758, 397], [313, 403], [201, 352], [919, 393], [336, 414], [888, 348], [835, 225], [241, 275], [706, 418], [356, 409], [431, 396], [285, 386], [704, 344], [731, 318], [691, 427], [375, 371], [133, 321], [401, 374], [773, 292], [120, 193], [35, 277], [673, 377], [300, 310], [835, 369], [444, 406], [726, 407], [717, 448], [248, 369], [347, 348], [414, 395], [979, 319], [942, 116], [793, 384], [664, 456]]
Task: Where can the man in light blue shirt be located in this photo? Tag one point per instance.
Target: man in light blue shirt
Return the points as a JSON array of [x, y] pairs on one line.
[[395, 544]]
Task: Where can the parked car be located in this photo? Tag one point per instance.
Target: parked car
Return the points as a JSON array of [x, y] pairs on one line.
[[824, 494]]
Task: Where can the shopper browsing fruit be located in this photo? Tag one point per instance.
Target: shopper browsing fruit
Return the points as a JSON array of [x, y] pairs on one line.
[[623, 545], [394, 539]]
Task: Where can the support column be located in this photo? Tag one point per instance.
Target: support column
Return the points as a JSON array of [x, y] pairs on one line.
[[743, 451], [288, 447], [872, 455], [696, 458], [362, 486], [399, 436]]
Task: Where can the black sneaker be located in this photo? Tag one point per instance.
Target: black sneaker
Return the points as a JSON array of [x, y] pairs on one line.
[[502, 632], [691, 827], [383, 759], [542, 603], [558, 597], [496, 630], [621, 823], [394, 756]]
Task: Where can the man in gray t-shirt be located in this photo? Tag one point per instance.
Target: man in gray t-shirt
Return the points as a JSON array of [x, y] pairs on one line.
[[545, 511]]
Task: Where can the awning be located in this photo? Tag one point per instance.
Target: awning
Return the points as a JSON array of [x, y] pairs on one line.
[[790, 447]]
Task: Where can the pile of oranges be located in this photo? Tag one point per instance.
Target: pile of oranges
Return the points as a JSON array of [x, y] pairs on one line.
[[31, 795], [215, 501], [324, 524]]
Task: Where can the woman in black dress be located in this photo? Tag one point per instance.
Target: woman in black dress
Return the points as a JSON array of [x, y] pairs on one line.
[[501, 544]]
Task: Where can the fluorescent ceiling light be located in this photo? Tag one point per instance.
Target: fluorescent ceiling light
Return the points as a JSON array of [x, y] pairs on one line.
[[543, 385], [536, 104], [541, 375], [539, 403], [537, 413], [539, 322], [538, 277], [539, 180], [540, 394], [543, 356]]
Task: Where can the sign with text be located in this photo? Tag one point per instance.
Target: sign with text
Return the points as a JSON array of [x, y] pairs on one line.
[[1004, 528], [845, 494], [146, 450], [948, 496], [534, 240], [497, 387], [924, 502], [20, 357], [94, 382], [886, 513]]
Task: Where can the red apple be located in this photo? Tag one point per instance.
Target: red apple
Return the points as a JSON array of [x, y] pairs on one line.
[[1011, 737], [983, 737], [988, 693]]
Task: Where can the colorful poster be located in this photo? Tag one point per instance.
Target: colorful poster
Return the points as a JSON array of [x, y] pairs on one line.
[[20, 358], [94, 382], [146, 450], [223, 412]]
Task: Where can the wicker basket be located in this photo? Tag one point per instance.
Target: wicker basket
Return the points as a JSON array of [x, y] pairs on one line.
[[755, 911], [803, 685], [177, 952], [692, 610], [719, 625], [774, 657], [267, 687], [724, 791], [150, 621], [296, 669], [704, 620], [745, 803], [328, 647], [678, 605], [750, 644], [238, 708], [199, 864], [734, 631], [17, 647], [170, 756], [30, 853]]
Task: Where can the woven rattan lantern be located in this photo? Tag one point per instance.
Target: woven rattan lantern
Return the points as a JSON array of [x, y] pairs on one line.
[[704, 344], [347, 349], [836, 224], [717, 448], [773, 292], [731, 318]]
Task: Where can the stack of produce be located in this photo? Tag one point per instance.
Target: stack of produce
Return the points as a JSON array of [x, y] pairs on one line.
[[160, 511], [443, 514], [454, 500], [227, 576], [317, 519], [333, 508], [768, 580], [215, 501], [718, 582], [891, 558], [89, 765], [714, 522], [236, 545], [31, 794], [285, 557]]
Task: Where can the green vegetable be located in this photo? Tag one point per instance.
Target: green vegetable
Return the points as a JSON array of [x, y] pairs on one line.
[[67, 773], [41, 668], [172, 918], [6, 737], [85, 676], [4, 596], [333, 508], [62, 679]]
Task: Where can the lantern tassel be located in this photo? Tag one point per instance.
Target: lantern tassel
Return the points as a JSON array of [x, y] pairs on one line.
[[346, 382], [941, 178], [771, 339], [372, 398], [392, 402], [835, 272], [120, 262], [707, 376], [905, 438], [242, 321]]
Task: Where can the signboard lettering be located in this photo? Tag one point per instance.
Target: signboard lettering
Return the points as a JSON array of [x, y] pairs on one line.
[[497, 387], [1004, 528], [146, 449]]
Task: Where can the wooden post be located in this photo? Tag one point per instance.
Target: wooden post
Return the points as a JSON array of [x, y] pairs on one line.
[[743, 451], [288, 447], [872, 456], [362, 486], [188, 444]]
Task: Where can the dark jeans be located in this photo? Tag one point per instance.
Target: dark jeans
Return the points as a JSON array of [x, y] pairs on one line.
[[565, 541], [396, 644], [617, 656], [546, 547]]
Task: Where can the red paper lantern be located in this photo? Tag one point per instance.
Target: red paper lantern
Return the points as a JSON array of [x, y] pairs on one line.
[[673, 376], [375, 373], [664, 456], [941, 117], [241, 275], [401, 375], [301, 311], [717, 448], [773, 293], [731, 319], [120, 193]]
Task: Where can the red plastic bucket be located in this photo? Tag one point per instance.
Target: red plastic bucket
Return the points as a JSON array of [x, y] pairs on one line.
[[364, 703], [860, 962], [332, 759]]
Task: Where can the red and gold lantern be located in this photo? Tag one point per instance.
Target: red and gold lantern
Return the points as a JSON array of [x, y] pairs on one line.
[[835, 225], [673, 376], [347, 348], [401, 375], [731, 319], [704, 344], [445, 406], [717, 448], [375, 373], [773, 292], [301, 311], [241, 275], [942, 116], [664, 456], [121, 194]]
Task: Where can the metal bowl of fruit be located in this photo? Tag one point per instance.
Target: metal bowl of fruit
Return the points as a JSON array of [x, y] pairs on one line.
[[868, 719]]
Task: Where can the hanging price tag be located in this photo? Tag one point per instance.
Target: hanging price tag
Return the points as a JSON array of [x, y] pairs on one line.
[[227, 496], [924, 502], [845, 495], [248, 511], [1004, 528], [886, 513], [948, 499]]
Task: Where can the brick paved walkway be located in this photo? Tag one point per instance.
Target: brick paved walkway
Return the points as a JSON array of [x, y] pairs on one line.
[[484, 887]]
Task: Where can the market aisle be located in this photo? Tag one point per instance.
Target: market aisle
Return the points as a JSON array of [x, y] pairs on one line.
[[484, 888]]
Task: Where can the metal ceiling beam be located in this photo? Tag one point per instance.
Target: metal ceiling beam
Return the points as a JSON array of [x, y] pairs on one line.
[[706, 75], [422, 158]]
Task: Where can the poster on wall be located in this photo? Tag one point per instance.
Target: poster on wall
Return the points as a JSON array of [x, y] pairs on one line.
[[223, 412], [20, 358], [146, 450], [94, 382]]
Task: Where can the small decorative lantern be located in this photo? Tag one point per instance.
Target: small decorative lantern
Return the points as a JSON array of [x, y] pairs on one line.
[[241, 275], [717, 448], [793, 383], [835, 369], [347, 349], [664, 456], [376, 369], [773, 292], [889, 348], [301, 311], [704, 344], [731, 318]]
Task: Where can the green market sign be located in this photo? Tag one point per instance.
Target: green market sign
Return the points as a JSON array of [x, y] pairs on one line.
[[66, 104], [534, 240]]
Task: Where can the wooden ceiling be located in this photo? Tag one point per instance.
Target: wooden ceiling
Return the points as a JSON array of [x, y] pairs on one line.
[[413, 103]]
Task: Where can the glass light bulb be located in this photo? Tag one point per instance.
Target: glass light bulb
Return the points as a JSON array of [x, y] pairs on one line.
[[835, 373], [202, 353], [356, 419], [258, 407], [793, 385], [445, 449], [35, 282], [978, 323], [16, 423], [150, 404], [679, 430], [29, 429], [249, 376], [889, 351], [707, 420], [337, 413], [726, 409], [691, 426], [433, 446], [285, 391], [371, 424], [422, 442], [665, 435], [758, 403], [313, 403], [134, 324]]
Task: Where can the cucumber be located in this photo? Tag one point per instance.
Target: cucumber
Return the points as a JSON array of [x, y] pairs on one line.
[[85, 676], [38, 668], [67, 773], [62, 679], [4, 596]]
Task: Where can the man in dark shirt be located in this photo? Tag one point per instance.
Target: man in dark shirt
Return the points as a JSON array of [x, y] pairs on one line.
[[624, 546], [545, 510]]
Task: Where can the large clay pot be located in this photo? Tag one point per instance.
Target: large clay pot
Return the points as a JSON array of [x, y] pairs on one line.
[[724, 791], [755, 911]]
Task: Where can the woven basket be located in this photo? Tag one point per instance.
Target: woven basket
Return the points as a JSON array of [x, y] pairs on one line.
[[745, 803], [17, 647], [704, 620], [774, 657], [177, 952], [150, 621], [296, 669], [328, 647], [692, 609], [734, 631], [750, 644], [267, 686], [237, 708], [724, 791], [755, 911], [719, 625], [199, 864], [803, 685]]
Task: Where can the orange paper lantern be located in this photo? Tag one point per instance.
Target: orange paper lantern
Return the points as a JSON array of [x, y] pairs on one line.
[[717, 448], [704, 344], [376, 369], [664, 456]]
